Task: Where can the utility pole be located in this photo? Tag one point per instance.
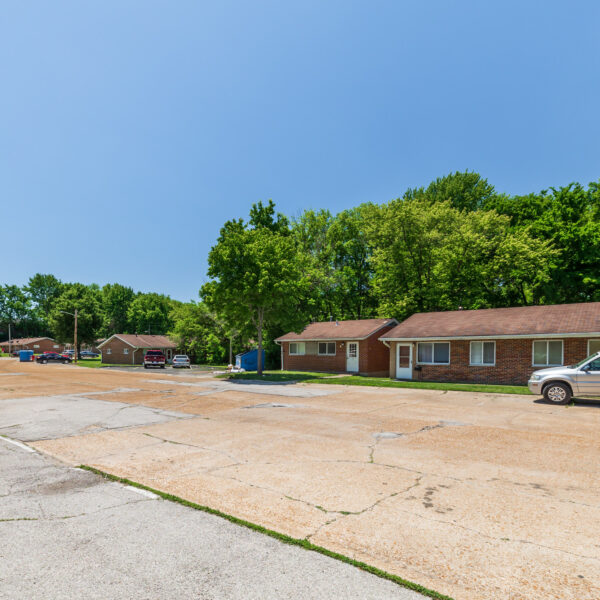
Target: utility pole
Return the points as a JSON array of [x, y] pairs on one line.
[[75, 354], [9, 341]]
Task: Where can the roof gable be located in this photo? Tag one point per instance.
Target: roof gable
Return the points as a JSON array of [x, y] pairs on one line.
[[521, 321], [338, 330]]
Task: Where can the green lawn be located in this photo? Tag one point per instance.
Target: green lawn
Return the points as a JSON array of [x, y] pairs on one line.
[[378, 382]]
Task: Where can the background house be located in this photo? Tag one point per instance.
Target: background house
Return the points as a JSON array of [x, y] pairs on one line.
[[38, 345], [129, 348], [496, 345], [338, 347]]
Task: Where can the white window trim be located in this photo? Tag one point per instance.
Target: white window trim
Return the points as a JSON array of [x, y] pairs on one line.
[[125, 350], [298, 344], [37, 346], [433, 354], [481, 364], [108, 351], [547, 364], [319, 353], [589, 353]]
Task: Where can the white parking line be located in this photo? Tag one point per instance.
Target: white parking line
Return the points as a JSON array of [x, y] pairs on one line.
[[16, 443], [142, 492]]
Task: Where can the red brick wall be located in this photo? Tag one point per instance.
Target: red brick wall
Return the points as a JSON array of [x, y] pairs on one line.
[[373, 357], [117, 357], [513, 362], [46, 345]]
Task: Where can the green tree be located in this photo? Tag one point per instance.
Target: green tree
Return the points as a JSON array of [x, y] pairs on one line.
[[199, 333], [568, 218], [89, 314], [257, 277], [464, 190], [14, 310], [116, 300], [431, 257], [43, 289], [150, 313]]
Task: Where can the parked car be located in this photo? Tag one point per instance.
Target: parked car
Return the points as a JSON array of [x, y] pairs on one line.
[[88, 354], [559, 384], [181, 361], [47, 357], [154, 358]]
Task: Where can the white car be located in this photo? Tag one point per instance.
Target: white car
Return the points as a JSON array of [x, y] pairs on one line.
[[181, 361]]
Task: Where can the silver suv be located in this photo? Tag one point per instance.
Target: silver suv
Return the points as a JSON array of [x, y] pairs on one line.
[[560, 384]]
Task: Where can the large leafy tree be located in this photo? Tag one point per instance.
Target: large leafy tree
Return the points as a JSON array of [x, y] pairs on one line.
[[86, 300], [198, 332], [116, 300], [436, 257], [568, 218], [463, 190], [150, 313], [257, 276], [15, 310]]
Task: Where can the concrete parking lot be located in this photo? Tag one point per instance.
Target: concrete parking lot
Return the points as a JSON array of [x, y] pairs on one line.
[[472, 495]]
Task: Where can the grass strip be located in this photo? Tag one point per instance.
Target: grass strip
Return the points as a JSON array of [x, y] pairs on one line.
[[286, 539], [329, 378]]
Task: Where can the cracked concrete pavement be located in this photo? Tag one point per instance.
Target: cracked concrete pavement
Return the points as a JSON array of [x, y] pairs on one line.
[[473, 495], [71, 534]]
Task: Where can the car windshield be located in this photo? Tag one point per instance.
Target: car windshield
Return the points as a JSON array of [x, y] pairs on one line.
[[582, 362]]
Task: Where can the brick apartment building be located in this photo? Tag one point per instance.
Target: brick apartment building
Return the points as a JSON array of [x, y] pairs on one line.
[[338, 347], [37, 344], [129, 348], [497, 345]]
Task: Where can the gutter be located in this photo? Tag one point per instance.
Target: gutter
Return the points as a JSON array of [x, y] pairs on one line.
[[541, 336]]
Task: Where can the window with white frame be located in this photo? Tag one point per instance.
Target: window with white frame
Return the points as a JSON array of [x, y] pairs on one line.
[[593, 347], [483, 354], [326, 348], [55, 346], [37, 346], [547, 353], [108, 351], [296, 348], [433, 353], [125, 350]]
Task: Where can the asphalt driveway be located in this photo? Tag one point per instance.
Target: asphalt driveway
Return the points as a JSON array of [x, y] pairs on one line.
[[472, 495]]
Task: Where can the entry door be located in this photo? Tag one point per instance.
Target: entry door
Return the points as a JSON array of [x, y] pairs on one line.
[[352, 357], [588, 379], [404, 361]]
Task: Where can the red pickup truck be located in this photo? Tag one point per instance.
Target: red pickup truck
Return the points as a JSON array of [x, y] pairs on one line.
[[154, 358]]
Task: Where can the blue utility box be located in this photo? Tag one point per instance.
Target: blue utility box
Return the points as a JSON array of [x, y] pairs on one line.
[[25, 355], [249, 360]]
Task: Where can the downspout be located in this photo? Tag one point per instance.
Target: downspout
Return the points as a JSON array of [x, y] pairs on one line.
[[133, 356]]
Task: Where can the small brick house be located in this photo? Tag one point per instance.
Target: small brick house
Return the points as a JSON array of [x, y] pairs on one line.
[[38, 345], [496, 345], [129, 348], [338, 347]]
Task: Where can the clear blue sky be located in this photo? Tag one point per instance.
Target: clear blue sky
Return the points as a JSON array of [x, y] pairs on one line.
[[130, 131]]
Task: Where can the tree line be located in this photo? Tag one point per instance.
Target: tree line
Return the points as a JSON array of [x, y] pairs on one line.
[[457, 243], [45, 307], [454, 243]]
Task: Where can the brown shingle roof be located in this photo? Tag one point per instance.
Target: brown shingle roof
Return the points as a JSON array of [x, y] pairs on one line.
[[142, 341], [24, 341], [337, 330], [519, 321]]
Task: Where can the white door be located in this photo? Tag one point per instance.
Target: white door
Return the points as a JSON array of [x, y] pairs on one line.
[[403, 361], [352, 357]]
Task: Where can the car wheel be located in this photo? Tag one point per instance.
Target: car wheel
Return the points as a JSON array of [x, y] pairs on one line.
[[162, 366], [557, 393], [44, 362], [145, 366], [66, 362]]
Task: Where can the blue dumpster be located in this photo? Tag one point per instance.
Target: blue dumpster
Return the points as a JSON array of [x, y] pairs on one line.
[[249, 360], [25, 355]]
